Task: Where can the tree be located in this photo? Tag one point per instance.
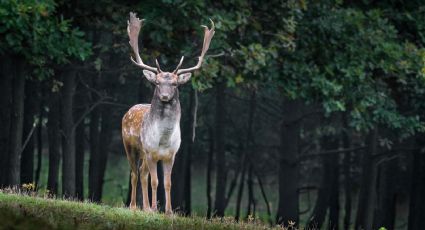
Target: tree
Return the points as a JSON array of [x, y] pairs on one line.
[[53, 128], [31, 29], [16, 124], [68, 133], [31, 121]]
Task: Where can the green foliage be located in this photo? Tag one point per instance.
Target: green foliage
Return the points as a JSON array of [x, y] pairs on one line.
[[349, 59], [30, 30]]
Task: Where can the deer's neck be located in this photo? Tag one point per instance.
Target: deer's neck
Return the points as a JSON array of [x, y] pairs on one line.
[[165, 111], [163, 121]]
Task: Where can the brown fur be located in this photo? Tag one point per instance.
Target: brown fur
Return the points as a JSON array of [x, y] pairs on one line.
[[131, 125]]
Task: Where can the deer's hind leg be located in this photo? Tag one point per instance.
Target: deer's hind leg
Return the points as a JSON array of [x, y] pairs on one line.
[[152, 165], [132, 160], [144, 173]]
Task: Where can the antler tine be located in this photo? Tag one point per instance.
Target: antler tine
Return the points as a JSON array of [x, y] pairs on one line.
[[178, 66], [208, 35], [133, 30], [157, 66]]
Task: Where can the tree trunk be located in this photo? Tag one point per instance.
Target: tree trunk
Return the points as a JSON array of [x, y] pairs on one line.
[[209, 170], [178, 175], [100, 130], [417, 190], [347, 175], [39, 138], [80, 108], [98, 163], [190, 149], [187, 182], [328, 195], [319, 213], [31, 111], [234, 182], [385, 212], [94, 140], [182, 164], [5, 118], [263, 193], [53, 132], [68, 134], [240, 190], [79, 161], [94, 152], [288, 205], [347, 189], [221, 172], [251, 199], [249, 150], [16, 124], [367, 197], [334, 192]]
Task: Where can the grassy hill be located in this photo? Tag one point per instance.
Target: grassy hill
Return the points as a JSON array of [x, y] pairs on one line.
[[28, 212]]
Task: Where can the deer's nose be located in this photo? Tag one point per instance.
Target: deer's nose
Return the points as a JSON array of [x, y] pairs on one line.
[[165, 97]]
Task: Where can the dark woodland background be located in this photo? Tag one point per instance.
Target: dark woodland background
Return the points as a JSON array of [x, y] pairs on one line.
[[304, 111]]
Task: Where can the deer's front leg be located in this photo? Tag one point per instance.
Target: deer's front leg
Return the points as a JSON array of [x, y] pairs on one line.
[[168, 167], [144, 173], [154, 181]]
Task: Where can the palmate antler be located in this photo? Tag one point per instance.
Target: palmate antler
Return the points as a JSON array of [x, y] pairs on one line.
[[133, 30], [209, 33]]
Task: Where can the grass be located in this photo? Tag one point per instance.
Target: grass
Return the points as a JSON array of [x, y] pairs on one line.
[[21, 211], [115, 187]]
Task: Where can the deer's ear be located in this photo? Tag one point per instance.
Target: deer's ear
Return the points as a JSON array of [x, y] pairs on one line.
[[151, 76], [183, 78]]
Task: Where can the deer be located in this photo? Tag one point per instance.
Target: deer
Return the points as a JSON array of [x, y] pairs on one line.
[[151, 132]]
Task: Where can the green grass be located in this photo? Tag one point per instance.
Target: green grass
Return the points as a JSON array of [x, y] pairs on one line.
[[19, 211], [115, 187]]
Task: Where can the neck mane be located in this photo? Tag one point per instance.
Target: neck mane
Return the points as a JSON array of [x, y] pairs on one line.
[[165, 111]]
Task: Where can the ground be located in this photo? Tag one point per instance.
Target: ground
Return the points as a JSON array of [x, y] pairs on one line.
[[23, 211]]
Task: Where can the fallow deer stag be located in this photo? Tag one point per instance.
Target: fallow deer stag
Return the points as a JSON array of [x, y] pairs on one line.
[[151, 132]]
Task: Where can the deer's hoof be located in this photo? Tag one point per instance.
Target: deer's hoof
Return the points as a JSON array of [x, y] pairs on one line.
[[133, 207], [147, 209], [168, 212]]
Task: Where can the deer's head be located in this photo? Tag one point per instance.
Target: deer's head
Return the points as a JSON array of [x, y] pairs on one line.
[[166, 82]]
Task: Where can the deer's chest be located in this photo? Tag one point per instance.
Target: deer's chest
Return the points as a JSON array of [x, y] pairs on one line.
[[161, 139]]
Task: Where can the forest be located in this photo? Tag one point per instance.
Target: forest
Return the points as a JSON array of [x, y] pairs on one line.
[[308, 113]]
